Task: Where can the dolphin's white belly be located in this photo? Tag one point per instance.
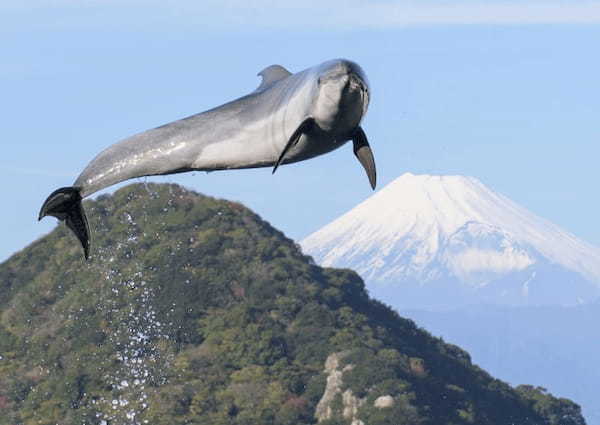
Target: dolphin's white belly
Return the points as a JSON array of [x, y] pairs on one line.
[[245, 148]]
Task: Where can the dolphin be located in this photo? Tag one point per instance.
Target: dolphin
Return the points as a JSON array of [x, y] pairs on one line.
[[288, 118]]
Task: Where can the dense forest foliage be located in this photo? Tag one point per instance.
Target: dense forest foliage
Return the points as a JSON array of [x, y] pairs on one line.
[[194, 310]]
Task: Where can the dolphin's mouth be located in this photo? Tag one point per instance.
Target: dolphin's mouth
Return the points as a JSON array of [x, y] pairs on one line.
[[357, 85], [364, 93]]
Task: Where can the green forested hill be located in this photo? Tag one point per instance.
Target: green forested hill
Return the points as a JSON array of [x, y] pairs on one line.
[[193, 310]]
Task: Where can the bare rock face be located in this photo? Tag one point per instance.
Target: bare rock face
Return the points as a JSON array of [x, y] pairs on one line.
[[333, 387], [350, 402], [351, 406], [384, 401]]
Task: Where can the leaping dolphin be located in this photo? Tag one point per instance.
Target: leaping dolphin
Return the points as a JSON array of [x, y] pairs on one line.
[[288, 118]]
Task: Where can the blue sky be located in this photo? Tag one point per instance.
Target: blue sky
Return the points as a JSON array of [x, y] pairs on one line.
[[507, 92]]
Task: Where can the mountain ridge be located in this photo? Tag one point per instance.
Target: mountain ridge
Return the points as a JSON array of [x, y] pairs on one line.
[[195, 310]]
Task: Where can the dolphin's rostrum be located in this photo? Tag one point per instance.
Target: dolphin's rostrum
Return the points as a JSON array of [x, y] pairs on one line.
[[288, 118]]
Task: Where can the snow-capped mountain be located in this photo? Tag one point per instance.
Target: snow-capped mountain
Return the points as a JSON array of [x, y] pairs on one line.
[[442, 241]]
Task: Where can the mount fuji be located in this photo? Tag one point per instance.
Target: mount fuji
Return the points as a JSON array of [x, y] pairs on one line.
[[440, 242]]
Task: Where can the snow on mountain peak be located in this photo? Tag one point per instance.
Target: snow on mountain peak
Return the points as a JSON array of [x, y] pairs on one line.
[[425, 227]]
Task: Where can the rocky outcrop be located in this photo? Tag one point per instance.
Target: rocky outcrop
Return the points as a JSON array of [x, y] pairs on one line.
[[384, 401], [350, 403]]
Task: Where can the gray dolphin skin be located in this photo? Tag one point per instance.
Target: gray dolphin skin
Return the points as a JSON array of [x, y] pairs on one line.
[[288, 118]]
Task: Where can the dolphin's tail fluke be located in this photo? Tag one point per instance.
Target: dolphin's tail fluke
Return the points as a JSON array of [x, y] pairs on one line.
[[65, 204]]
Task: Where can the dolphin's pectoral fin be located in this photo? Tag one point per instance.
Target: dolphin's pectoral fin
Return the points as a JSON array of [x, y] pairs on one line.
[[302, 128], [272, 74], [363, 152], [65, 204]]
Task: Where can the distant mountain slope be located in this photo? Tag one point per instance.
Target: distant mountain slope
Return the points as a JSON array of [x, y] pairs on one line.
[[444, 241], [554, 347], [195, 311]]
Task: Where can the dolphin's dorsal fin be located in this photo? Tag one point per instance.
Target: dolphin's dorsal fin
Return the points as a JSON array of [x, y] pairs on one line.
[[272, 74]]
